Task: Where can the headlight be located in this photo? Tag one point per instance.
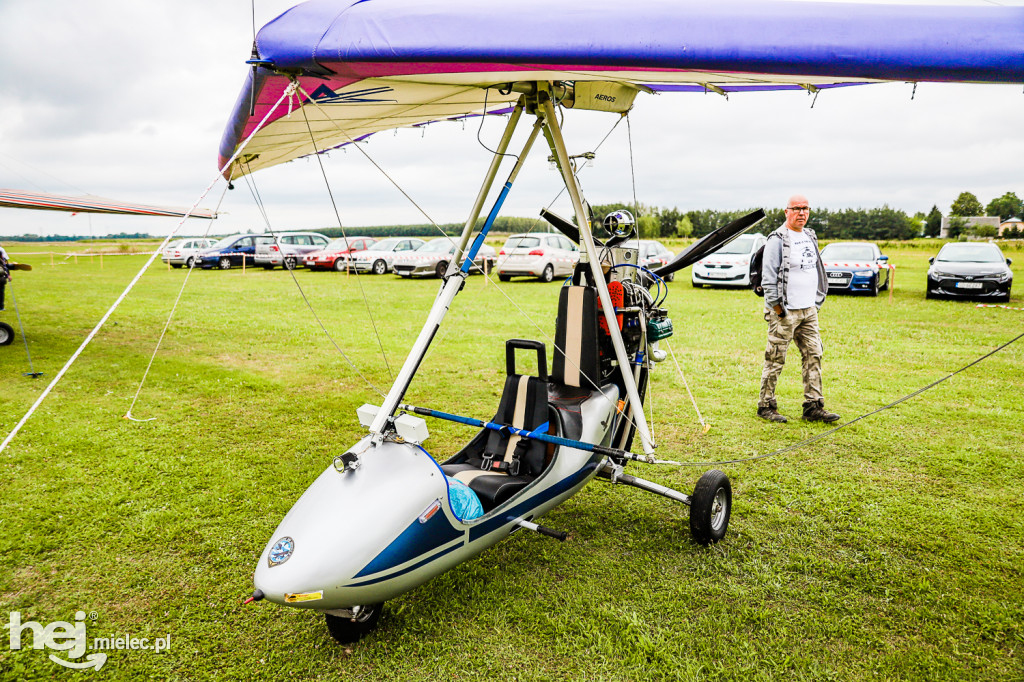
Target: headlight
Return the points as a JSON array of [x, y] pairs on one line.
[[1003, 277], [863, 273]]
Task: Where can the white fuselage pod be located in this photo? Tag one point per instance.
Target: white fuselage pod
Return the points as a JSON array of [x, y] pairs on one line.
[[369, 534]]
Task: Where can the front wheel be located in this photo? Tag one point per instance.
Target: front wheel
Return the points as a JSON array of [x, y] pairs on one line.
[[6, 334], [380, 267], [224, 263], [441, 268], [548, 274], [190, 262], [339, 265], [346, 630], [873, 291], [710, 507]]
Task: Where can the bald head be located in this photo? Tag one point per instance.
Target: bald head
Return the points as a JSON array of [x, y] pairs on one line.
[[798, 210]]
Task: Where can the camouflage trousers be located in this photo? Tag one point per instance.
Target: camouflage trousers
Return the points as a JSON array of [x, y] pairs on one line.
[[801, 327]]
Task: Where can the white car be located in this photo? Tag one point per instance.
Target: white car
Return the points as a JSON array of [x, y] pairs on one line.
[[431, 259], [183, 252], [545, 255], [379, 258], [287, 249], [730, 265]]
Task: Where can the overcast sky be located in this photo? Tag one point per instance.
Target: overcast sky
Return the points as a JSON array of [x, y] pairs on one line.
[[127, 99]]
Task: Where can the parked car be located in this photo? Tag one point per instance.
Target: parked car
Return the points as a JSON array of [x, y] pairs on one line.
[[730, 265], [379, 258], [183, 251], [545, 255], [334, 256], [653, 255], [855, 267], [965, 270], [287, 248], [229, 251], [431, 259]]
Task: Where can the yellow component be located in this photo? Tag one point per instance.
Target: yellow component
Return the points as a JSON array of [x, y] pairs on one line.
[[306, 596]]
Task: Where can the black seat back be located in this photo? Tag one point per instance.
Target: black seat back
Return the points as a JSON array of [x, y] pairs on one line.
[[524, 405], [576, 360]]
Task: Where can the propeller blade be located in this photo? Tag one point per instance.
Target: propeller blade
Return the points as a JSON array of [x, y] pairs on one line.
[[566, 227], [710, 243]]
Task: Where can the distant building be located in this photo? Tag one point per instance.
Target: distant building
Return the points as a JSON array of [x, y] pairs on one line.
[[1010, 224], [971, 221]]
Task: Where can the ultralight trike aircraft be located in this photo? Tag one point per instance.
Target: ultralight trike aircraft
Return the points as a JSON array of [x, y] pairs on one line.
[[387, 515]]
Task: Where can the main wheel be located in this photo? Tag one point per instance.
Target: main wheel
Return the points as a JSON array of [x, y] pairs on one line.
[[289, 263], [6, 334], [224, 263], [339, 265], [548, 274], [347, 630], [441, 268], [710, 507], [380, 267]]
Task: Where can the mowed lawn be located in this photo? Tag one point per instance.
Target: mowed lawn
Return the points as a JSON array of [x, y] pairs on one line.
[[892, 549]]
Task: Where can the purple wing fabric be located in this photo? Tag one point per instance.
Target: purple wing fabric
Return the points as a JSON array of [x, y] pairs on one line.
[[372, 65]]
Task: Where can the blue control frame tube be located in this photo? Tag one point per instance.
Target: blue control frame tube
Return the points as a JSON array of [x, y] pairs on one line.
[[522, 433]]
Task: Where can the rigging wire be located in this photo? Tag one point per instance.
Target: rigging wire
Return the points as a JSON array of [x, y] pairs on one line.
[[259, 202], [167, 324], [823, 434], [337, 215], [138, 276]]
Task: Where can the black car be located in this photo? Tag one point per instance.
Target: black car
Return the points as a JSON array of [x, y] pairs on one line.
[[965, 270]]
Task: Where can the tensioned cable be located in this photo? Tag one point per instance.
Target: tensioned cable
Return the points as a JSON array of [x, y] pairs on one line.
[[167, 324], [287, 93], [250, 182], [819, 436], [337, 215]]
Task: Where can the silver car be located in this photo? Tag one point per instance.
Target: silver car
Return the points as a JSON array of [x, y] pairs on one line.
[[379, 258], [183, 251], [730, 265], [431, 259], [287, 248], [544, 255]]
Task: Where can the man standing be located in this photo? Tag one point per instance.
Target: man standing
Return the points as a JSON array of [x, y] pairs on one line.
[[793, 278]]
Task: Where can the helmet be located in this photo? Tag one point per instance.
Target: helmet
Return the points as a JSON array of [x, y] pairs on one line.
[[619, 223]]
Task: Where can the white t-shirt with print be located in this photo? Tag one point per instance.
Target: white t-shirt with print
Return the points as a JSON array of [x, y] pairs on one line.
[[802, 285]]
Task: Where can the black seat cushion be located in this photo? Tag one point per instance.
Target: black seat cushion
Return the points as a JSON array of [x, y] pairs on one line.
[[492, 489]]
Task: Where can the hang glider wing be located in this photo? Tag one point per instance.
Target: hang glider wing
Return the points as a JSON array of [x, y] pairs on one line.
[[14, 198], [371, 65]]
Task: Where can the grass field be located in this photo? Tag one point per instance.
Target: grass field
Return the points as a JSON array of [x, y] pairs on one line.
[[893, 549]]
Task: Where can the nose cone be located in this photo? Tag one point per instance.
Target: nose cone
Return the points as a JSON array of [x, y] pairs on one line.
[[319, 555]]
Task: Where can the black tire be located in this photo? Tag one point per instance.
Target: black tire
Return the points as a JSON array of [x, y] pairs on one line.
[[548, 274], [175, 265], [710, 507], [6, 334], [505, 278], [349, 630], [697, 285], [671, 277], [928, 294], [190, 262], [289, 263], [873, 291], [224, 263], [380, 267], [268, 267], [885, 286], [339, 265], [1005, 298], [441, 268]]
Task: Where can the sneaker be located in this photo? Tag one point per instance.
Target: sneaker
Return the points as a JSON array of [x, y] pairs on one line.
[[771, 413], [814, 411]]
